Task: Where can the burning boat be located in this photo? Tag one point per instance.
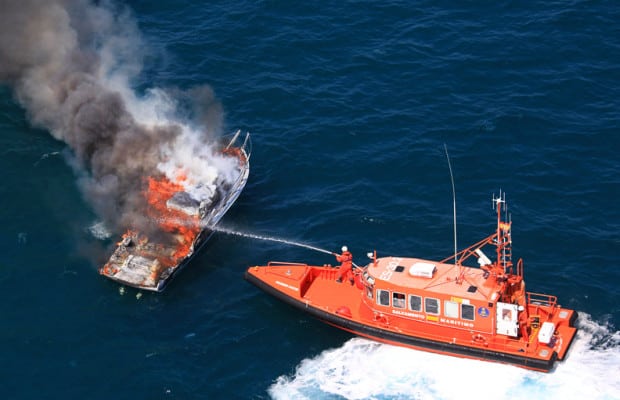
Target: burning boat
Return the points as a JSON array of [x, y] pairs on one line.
[[185, 215], [481, 311]]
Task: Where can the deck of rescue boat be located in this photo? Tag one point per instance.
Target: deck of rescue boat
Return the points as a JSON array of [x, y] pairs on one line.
[[313, 285]]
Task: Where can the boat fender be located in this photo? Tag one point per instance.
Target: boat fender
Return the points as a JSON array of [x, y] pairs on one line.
[[381, 318], [107, 270], [344, 311], [479, 339]]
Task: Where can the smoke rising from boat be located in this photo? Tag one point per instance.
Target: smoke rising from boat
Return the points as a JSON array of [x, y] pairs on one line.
[[71, 65]]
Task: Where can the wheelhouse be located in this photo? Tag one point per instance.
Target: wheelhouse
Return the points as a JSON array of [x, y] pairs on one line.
[[419, 290]]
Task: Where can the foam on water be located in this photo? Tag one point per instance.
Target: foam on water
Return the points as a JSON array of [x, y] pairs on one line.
[[363, 369], [99, 230]]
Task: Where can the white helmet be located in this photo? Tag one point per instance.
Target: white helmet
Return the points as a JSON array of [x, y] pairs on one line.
[[345, 248]]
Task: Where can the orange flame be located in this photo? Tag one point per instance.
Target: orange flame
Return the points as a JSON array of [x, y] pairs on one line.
[[186, 227], [127, 234]]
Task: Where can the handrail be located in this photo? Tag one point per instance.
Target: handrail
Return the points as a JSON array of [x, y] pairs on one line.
[[469, 251], [541, 299], [274, 263]]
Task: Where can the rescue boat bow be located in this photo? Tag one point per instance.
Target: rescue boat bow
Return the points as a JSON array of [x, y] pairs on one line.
[[482, 312]]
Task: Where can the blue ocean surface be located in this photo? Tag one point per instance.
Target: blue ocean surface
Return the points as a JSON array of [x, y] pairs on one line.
[[349, 105]]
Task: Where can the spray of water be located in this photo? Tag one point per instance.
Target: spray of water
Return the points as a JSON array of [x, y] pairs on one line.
[[269, 238], [228, 231]]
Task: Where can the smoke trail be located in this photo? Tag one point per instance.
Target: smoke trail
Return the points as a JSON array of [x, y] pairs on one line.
[[71, 64]]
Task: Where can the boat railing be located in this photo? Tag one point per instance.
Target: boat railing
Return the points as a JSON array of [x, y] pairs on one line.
[[520, 267], [247, 146], [244, 145], [280, 263], [544, 300], [237, 187], [470, 251]]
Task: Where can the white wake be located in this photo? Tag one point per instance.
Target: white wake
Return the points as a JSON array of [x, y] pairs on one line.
[[362, 369]]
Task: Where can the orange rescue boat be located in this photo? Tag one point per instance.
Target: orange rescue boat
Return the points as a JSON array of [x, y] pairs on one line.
[[481, 312]]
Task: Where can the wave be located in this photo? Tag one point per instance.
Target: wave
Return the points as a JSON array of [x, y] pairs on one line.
[[363, 369]]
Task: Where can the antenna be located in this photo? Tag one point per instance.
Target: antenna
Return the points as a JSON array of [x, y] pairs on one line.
[[499, 201], [453, 200]]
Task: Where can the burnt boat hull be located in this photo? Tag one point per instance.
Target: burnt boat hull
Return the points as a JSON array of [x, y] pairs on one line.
[[134, 258], [198, 245]]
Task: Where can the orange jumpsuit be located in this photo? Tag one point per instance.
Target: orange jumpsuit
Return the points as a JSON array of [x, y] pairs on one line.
[[346, 264]]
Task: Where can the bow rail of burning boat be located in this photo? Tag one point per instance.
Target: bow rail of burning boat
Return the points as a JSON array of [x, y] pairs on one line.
[[186, 223], [244, 149]]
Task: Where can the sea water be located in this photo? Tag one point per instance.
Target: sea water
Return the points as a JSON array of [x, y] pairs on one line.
[[349, 105]]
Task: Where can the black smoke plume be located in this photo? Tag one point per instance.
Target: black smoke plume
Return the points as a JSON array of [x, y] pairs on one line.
[[70, 64]]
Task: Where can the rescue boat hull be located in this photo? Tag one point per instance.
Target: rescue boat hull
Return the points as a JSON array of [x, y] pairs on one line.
[[406, 340]]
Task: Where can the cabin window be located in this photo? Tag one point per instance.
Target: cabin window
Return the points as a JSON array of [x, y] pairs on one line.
[[415, 303], [467, 312], [431, 306], [383, 297], [451, 309], [369, 292], [398, 300]]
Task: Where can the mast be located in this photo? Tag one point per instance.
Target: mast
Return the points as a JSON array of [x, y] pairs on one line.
[[503, 239], [497, 205]]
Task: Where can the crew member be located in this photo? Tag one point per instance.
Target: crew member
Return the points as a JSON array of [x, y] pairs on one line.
[[523, 323], [346, 263]]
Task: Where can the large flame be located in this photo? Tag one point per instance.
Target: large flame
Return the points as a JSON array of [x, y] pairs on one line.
[[184, 226]]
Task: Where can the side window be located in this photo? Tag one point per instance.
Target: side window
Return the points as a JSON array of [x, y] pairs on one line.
[[369, 292], [451, 309], [467, 312], [398, 300], [431, 306], [383, 297], [415, 303]]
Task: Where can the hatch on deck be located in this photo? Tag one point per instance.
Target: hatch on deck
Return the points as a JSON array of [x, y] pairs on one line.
[[422, 269]]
